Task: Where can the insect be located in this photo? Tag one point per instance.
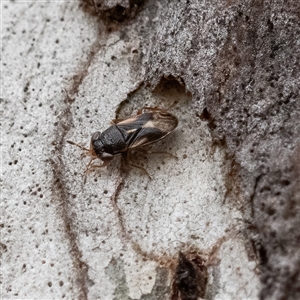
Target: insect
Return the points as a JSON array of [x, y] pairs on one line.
[[149, 125]]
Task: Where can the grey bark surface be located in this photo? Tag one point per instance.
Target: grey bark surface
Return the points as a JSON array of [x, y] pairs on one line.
[[243, 71], [220, 221]]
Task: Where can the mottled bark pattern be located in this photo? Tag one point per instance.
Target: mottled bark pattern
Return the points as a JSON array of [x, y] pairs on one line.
[[241, 61]]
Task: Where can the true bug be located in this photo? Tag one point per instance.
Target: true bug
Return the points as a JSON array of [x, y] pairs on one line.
[[149, 125]]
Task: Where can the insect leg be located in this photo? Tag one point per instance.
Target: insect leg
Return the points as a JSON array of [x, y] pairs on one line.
[[87, 170], [163, 152], [90, 167], [141, 168], [126, 159]]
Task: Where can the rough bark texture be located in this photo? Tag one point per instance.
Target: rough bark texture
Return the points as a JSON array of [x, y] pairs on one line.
[[241, 61], [69, 69]]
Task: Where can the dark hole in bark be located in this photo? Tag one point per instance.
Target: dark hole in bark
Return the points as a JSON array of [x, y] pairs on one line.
[[190, 278]]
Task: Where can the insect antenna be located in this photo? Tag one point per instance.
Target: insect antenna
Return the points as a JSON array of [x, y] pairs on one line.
[[81, 147]]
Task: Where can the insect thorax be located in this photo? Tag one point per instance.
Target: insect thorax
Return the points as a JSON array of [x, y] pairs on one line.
[[110, 141]]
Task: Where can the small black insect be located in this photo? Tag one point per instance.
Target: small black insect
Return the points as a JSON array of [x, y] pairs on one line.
[[148, 126]]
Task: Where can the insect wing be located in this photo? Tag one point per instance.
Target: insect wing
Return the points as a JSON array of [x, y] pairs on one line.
[[133, 123], [148, 127]]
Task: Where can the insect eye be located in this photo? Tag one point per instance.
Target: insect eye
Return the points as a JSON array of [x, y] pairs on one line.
[[96, 136], [97, 147]]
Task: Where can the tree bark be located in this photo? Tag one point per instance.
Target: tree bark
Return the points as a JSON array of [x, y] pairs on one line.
[[221, 220], [242, 67]]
